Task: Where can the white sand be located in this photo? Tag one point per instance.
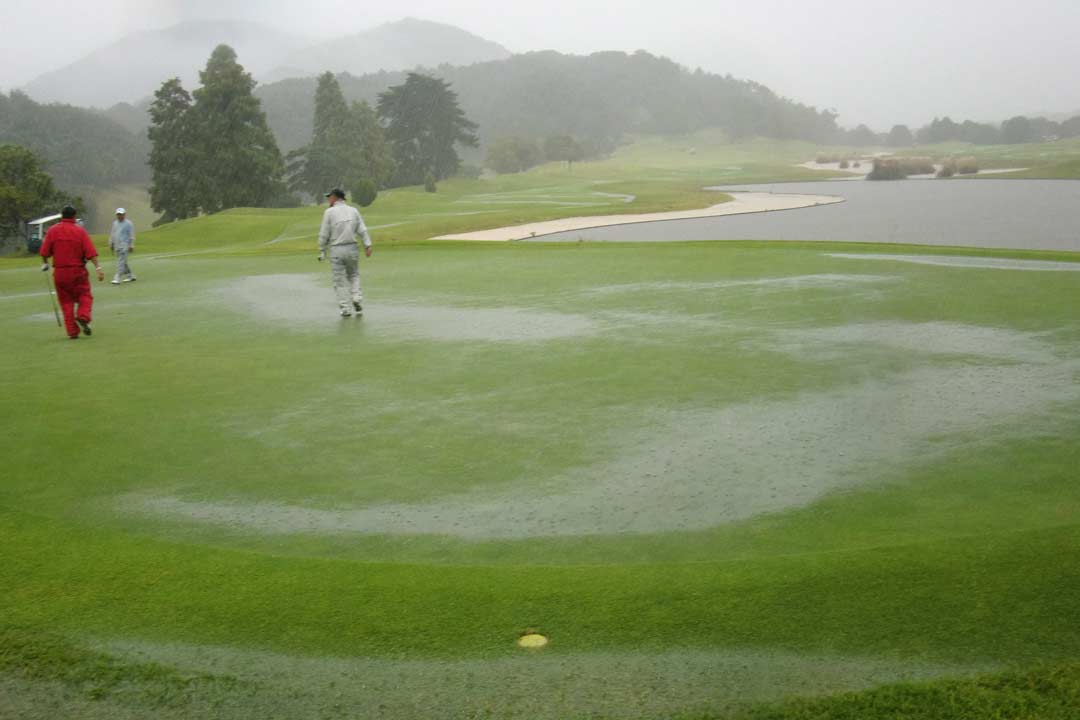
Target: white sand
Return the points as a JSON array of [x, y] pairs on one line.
[[741, 204]]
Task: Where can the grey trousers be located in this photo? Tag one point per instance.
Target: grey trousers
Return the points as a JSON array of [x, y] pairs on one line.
[[345, 266], [123, 270]]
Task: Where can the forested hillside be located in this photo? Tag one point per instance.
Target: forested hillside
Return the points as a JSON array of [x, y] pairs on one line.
[[79, 147], [596, 98]]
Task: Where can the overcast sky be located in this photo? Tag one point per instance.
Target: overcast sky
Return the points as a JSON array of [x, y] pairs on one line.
[[874, 61]]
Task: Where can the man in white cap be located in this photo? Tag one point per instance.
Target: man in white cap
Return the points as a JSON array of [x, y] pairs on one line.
[[122, 242], [341, 226]]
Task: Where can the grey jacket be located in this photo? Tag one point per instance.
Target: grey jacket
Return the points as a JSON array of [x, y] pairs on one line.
[[342, 225]]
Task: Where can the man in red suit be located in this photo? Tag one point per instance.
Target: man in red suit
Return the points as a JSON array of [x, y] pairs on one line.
[[70, 247]]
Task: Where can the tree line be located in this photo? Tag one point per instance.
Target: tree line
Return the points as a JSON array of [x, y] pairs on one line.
[[221, 145], [595, 99], [212, 149], [1014, 131]]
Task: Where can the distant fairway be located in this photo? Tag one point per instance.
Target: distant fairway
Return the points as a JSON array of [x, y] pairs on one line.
[[712, 474]]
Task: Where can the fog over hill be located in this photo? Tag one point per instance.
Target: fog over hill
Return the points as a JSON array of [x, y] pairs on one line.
[[401, 45], [131, 69], [873, 61]]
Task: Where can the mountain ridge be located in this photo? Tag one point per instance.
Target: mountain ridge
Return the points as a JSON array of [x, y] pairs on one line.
[[401, 45], [131, 69]]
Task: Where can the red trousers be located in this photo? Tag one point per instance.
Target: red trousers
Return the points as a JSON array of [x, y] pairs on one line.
[[73, 288]]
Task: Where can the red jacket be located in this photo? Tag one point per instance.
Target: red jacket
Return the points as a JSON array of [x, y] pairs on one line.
[[68, 245]]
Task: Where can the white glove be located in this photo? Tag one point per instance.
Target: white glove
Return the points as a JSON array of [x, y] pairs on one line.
[[44, 267], [322, 256]]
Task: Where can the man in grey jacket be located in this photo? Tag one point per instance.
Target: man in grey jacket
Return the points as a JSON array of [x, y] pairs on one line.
[[122, 242], [341, 226]]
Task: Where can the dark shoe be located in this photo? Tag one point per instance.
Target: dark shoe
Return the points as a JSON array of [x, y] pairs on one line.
[[359, 308], [85, 325]]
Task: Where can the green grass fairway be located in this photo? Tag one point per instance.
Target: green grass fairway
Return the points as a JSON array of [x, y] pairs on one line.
[[725, 479]]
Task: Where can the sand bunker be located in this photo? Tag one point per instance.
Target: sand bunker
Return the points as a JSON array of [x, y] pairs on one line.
[[302, 303], [967, 262], [742, 203], [639, 684], [699, 468]]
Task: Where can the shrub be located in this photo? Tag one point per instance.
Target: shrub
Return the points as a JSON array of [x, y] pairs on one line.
[[918, 166], [364, 192], [948, 168], [844, 164], [512, 155], [887, 169], [967, 165]]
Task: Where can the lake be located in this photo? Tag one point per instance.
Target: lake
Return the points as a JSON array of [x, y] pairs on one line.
[[1021, 214]]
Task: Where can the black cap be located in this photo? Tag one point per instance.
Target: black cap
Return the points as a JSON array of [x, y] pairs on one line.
[[68, 212], [336, 192]]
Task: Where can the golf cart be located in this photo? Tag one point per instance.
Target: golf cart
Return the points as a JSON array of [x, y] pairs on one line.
[[35, 232]]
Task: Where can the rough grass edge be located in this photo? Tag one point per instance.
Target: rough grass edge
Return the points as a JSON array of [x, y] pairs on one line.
[[1047, 693], [1050, 692], [36, 656]]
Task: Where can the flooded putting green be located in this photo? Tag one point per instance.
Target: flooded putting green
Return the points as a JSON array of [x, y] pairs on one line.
[[693, 469]]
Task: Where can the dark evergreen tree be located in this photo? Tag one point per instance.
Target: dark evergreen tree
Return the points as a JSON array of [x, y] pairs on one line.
[[424, 124], [862, 136], [1071, 127], [979, 133], [1017, 130], [238, 161], [347, 144], [375, 160], [173, 154], [563, 148], [901, 137], [512, 155]]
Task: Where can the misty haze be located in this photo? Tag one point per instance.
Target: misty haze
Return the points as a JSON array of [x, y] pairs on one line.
[[452, 359]]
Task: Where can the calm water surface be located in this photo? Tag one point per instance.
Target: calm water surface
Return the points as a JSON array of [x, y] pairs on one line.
[[1022, 214]]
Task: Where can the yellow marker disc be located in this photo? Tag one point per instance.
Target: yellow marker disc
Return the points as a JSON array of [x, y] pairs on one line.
[[532, 640]]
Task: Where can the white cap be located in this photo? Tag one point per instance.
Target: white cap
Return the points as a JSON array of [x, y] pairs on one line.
[[121, 211]]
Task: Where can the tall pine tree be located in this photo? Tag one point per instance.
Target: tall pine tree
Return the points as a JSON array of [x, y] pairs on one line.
[[347, 145], [424, 124], [172, 192], [237, 157], [375, 160]]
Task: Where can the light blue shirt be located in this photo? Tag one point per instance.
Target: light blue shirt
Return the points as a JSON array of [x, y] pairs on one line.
[[122, 236]]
